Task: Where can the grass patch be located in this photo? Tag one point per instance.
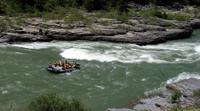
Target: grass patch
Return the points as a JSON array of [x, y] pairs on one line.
[[178, 16], [7, 23], [58, 13], [153, 12], [114, 14], [4, 24], [159, 13], [77, 16], [191, 108], [197, 93]]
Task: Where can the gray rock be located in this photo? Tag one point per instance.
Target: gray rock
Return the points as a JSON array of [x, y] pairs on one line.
[[195, 23], [188, 86], [141, 34], [151, 27], [153, 104], [160, 103]]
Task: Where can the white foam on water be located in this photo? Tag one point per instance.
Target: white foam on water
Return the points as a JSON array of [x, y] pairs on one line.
[[4, 92], [180, 77], [100, 87], [31, 46], [197, 49], [83, 54], [173, 52], [143, 79], [134, 54], [68, 74], [44, 45], [179, 46], [183, 76]]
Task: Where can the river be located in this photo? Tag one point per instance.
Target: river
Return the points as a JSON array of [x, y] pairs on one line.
[[111, 74]]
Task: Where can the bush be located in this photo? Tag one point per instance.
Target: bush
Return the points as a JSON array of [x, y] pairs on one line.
[[2, 7], [30, 6], [53, 102], [175, 97], [94, 4]]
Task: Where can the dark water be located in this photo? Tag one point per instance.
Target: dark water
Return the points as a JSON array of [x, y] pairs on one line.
[[111, 74]]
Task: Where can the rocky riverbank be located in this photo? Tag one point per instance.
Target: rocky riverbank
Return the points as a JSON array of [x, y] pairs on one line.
[[181, 94], [137, 30]]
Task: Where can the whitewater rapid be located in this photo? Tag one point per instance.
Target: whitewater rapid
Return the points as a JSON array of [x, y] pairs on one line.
[[173, 52]]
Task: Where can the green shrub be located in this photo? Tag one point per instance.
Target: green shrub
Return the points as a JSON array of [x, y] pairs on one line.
[[53, 102], [9, 7], [2, 7], [93, 4], [175, 97]]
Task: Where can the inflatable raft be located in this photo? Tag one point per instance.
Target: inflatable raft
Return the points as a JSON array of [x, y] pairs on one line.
[[55, 68]]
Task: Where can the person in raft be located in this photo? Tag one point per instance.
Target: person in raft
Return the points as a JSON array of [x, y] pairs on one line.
[[64, 64]]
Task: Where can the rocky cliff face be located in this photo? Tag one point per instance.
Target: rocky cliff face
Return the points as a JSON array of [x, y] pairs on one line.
[[135, 31]]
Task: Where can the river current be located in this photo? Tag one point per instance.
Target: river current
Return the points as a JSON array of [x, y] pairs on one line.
[[111, 74]]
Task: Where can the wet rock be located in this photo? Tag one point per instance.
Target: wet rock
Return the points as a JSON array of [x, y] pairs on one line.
[[195, 23], [15, 37], [3, 40]]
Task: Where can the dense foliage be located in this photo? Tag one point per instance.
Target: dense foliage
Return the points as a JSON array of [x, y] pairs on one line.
[[53, 102], [13, 6], [8, 6]]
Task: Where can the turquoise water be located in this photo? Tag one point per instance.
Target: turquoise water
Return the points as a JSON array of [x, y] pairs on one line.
[[111, 74]]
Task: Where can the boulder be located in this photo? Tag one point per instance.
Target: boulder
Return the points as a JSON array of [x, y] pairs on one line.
[[195, 23]]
